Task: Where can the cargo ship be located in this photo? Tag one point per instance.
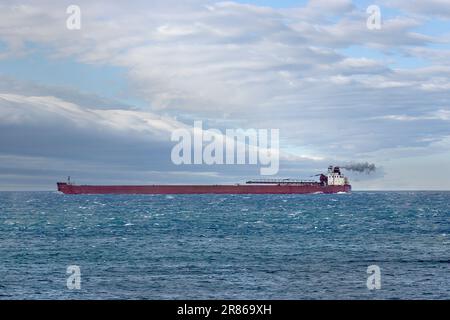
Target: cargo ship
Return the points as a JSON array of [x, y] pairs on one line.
[[332, 182]]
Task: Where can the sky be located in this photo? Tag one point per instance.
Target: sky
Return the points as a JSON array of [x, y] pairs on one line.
[[100, 103]]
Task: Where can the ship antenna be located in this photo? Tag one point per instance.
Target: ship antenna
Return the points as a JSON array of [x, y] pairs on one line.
[[68, 180]]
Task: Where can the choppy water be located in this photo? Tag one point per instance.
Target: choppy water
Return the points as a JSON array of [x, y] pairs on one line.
[[225, 246]]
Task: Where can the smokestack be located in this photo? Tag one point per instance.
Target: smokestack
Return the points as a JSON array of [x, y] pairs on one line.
[[361, 167]]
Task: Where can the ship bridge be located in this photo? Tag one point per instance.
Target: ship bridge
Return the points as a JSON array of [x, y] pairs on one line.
[[335, 177]]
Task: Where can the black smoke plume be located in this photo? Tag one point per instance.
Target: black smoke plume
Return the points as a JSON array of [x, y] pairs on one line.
[[363, 167]]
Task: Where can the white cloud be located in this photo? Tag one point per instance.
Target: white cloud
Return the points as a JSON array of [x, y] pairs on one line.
[[35, 110], [437, 8], [443, 115]]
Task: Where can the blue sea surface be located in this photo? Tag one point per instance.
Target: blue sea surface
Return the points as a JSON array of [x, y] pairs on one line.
[[225, 246]]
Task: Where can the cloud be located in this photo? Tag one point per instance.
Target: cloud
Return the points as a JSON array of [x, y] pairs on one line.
[[46, 126], [34, 110], [434, 8], [442, 115]]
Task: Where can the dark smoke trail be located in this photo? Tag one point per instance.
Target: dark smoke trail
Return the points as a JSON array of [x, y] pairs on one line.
[[361, 167]]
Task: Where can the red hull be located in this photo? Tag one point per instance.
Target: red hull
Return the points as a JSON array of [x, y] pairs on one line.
[[202, 189]]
